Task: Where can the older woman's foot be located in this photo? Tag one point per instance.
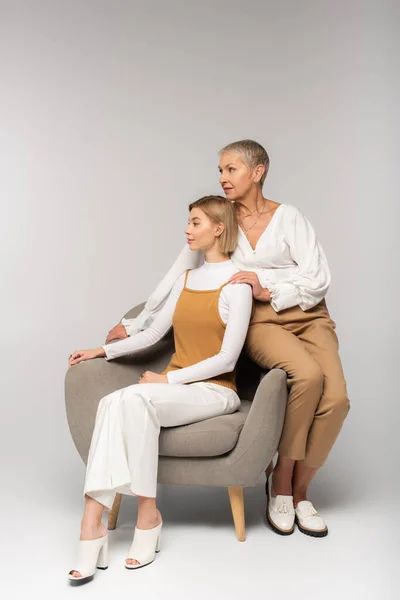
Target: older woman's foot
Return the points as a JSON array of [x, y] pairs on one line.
[[280, 511], [308, 519]]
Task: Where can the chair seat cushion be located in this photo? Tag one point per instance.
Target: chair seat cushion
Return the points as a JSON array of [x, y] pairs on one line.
[[211, 437]]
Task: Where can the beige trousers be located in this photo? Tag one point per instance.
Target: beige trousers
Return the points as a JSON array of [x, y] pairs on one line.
[[305, 345]]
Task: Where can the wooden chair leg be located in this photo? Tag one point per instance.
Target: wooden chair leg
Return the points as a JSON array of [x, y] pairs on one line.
[[113, 513], [237, 505]]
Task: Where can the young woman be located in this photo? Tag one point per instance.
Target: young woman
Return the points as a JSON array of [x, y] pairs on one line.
[[210, 317], [280, 257]]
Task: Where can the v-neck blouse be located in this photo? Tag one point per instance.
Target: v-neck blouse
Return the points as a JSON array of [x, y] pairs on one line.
[[268, 228], [288, 259]]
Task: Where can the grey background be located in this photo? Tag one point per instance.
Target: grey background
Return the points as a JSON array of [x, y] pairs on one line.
[[112, 114]]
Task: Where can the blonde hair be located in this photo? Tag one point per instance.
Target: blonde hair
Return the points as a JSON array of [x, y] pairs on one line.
[[252, 154], [221, 210]]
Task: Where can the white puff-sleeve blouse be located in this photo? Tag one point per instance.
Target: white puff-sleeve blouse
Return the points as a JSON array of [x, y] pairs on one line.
[[288, 259]]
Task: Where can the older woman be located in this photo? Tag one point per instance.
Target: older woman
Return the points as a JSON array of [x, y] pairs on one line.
[[280, 257]]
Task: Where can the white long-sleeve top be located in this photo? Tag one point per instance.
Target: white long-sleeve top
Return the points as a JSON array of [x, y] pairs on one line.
[[288, 259], [234, 305]]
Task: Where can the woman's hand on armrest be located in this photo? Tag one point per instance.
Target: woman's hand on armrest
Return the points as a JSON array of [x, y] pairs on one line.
[[80, 355]]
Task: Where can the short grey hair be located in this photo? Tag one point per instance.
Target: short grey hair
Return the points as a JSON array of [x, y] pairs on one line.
[[251, 152]]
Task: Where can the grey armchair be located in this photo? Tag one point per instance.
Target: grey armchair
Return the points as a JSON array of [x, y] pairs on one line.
[[230, 450]]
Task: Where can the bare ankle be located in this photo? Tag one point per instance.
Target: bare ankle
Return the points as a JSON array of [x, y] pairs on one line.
[[299, 496], [94, 525], [282, 483], [148, 519]]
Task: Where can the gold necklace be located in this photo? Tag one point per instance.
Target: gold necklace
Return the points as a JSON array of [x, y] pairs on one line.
[[255, 222], [253, 211]]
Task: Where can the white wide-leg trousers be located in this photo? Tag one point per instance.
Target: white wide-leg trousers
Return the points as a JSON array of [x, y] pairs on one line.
[[123, 454]]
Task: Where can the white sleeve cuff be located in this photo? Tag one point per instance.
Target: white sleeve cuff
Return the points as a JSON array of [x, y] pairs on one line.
[[173, 376], [284, 295], [265, 278], [130, 325], [142, 321], [105, 348]]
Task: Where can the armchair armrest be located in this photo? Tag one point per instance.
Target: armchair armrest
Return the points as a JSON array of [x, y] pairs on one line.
[[134, 312], [262, 430], [89, 381]]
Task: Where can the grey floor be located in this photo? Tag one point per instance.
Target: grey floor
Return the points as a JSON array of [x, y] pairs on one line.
[[200, 556]]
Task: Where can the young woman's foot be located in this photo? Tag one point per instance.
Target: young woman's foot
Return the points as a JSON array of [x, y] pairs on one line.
[[90, 531], [145, 523]]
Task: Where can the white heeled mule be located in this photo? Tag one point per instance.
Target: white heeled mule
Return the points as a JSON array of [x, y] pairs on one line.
[[146, 542], [92, 554]]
